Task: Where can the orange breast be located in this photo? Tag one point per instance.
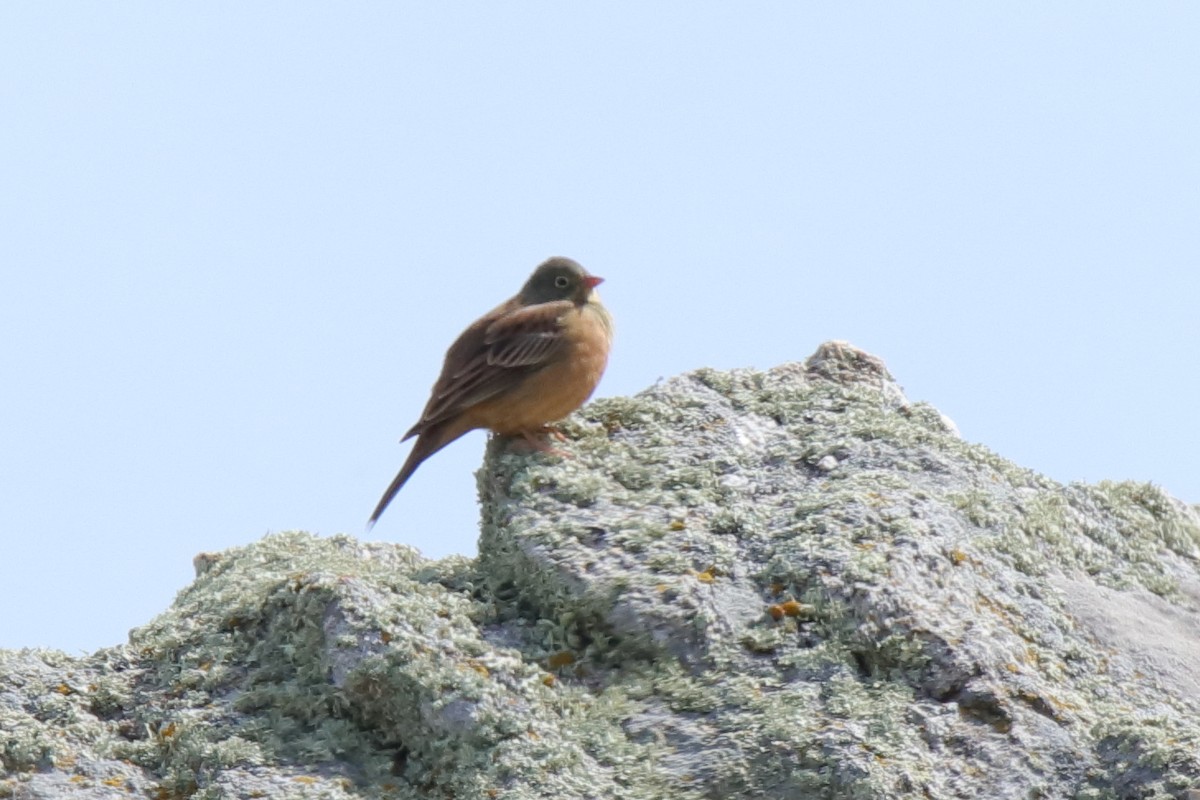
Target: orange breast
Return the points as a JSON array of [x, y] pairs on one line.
[[559, 388]]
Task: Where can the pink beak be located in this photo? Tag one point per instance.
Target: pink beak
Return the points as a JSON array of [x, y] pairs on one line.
[[592, 281]]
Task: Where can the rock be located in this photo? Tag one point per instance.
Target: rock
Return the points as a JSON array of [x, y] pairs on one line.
[[785, 584]]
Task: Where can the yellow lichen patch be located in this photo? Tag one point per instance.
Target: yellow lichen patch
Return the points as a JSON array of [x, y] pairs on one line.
[[560, 659], [676, 525], [999, 608], [662, 587], [958, 557], [776, 612], [1043, 705], [78, 779], [1064, 705], [479, 668], [167, 792], [707, 576], [63, 689], [114, 782], [548, 680], [305, 779], [794, 608]]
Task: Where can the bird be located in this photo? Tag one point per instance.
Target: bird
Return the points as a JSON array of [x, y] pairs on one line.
[[528, 362]]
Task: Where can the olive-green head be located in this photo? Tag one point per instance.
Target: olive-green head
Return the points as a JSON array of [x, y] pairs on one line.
[[558, 278]]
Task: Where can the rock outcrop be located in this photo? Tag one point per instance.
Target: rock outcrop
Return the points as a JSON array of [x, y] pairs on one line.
[[784, 584]]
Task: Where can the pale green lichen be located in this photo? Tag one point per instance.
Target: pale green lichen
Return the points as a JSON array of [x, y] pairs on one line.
[[733, 587]]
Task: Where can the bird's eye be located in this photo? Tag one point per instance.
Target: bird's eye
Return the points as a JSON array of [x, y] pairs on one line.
[[562, 282]]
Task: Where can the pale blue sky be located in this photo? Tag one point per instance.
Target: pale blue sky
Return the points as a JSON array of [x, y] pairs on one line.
[[237, 238]]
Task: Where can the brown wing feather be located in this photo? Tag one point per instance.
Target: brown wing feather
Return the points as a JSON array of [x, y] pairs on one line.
[[528, 337], [492, 356]]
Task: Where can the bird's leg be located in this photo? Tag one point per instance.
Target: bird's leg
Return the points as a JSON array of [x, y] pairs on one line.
[[550, 430], [536, 440]]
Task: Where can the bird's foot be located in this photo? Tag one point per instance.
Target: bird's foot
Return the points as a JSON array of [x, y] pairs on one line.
[[550, 430], [536, 440]]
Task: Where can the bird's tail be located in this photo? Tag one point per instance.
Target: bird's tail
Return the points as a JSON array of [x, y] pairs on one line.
[[428, 443]]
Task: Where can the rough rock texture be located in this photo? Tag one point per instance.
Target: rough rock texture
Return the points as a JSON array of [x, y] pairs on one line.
[[784, 584]]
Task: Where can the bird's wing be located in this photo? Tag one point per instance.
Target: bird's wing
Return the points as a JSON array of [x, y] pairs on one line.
[[527, 337], [493, 356]]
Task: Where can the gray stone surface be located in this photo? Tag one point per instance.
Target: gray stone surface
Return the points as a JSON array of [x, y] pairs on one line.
[[782, 584]]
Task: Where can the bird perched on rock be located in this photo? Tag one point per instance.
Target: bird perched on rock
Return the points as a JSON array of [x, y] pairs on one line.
[[531, 360]]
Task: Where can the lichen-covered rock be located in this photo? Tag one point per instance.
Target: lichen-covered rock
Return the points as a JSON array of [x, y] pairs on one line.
[[781, 584]]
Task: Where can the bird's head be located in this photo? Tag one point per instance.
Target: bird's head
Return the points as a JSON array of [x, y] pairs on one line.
[[558, 278]]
